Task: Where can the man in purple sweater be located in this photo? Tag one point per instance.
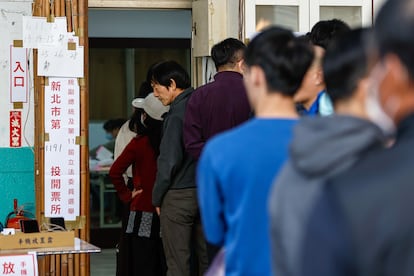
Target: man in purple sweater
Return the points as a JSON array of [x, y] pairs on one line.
[[218, 105]]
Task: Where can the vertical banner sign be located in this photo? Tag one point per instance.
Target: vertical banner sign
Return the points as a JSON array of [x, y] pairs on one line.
[[19, 75], [22, 265], [62, 154], [15, 129]]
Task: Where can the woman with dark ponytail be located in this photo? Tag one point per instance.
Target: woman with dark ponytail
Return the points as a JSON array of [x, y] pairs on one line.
[[142, 252]]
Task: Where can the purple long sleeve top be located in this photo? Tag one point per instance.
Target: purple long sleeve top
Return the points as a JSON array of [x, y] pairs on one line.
[[213, 108]]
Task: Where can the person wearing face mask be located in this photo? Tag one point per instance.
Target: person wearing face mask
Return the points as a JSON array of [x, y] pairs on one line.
[[111, 128], [361, 223], [141, 248], [340, 140]]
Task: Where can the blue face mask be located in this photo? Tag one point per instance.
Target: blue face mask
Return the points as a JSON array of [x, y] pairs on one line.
[[109, 136]]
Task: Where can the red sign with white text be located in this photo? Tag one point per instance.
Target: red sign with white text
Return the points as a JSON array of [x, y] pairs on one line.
[[15, 129]]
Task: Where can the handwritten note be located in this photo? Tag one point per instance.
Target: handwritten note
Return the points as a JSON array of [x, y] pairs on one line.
[[38, 33], [60, 62]]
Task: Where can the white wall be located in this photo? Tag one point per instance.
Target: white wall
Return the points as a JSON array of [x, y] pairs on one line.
[[11, 13]]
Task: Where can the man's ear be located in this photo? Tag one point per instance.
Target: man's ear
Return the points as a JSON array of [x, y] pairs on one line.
[[319, 80], [258, 77], [173, 84], [397, 70], [240, 66]]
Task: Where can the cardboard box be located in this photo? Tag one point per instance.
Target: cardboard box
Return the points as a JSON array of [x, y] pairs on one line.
[[37, 240]]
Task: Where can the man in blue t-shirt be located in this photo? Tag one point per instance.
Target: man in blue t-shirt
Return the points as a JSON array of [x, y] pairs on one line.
[[237, 167]]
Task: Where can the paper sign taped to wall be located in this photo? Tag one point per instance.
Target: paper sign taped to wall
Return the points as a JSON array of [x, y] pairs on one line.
[[38, 33], [19, 75], [60, 62]]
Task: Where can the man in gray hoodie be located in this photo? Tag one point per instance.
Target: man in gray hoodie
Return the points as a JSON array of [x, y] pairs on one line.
[[321, 148]]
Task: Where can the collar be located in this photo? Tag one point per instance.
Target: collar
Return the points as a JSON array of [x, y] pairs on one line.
[[183, 95], [227, 74], [406, 127], [314, 109]]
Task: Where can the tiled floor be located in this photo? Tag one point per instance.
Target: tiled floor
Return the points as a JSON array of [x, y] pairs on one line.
[[104, 263]]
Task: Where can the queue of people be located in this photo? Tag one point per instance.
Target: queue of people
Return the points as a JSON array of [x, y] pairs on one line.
[[294, 161]]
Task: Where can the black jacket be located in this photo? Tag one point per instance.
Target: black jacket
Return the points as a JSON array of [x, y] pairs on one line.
[[176, 168]]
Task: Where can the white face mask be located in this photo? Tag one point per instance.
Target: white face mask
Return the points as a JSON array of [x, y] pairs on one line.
[[374, 108]]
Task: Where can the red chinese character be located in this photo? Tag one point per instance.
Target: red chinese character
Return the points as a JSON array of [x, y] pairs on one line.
[[55, 209], [71, 181], [71, 91], [71, 82], [71, 162], [55, 99], [55, 183], [71, 130], [19, 67], [8, 268], [71, 210], [55, 85], [71, 101], [71, 152], [55, 171], [71, 201], [55, 124], [18, 81], [55, 196], [71, 191], [55, 111], [71, 111]]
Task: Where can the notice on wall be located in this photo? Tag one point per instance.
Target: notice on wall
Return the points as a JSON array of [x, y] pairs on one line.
[[22, 265], [19, 75], [60, 62], [62, 153], [15, 120], [38, 33]]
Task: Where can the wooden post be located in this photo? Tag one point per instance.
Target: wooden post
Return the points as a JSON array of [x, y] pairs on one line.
[[76, 15]]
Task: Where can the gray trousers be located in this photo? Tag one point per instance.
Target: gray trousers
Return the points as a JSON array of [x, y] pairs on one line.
[[182, 232]]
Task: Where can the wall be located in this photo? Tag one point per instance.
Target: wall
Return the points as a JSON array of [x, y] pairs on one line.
[[140, 23], [17, 164]]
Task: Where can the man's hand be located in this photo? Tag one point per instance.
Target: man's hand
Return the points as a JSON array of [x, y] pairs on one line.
[[158, 209]]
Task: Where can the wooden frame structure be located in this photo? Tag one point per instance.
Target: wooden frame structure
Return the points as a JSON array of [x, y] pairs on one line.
[[77, 20]]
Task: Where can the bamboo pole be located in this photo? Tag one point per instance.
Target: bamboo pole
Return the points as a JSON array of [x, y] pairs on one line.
[[70, 264], [76, 15], [56, 5], [68, 9], [85, 186], [62, 7], [75, 22]]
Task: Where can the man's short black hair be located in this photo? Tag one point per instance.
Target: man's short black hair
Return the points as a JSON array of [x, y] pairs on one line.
[[113, 124], [283, 57], [345, 63], [325, 30], [227, 52], [394, 31], [164, 71]]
